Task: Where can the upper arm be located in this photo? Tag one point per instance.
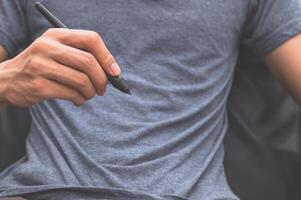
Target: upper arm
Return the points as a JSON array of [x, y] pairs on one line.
[[3, 54], [274, 33], [285, 63]]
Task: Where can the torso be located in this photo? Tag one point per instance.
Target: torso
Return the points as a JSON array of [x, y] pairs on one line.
[[166, 139]]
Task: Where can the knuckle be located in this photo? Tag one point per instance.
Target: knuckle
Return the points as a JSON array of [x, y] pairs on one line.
[[41, 44], [86, 87], [37, 45], [76, 99], [55, 33], [83, 81], [88, 60], [95, 37], [50, 31], [34, 65]]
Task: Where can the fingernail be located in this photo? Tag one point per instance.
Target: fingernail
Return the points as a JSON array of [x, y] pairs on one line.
[[115, 69], [102, 93]]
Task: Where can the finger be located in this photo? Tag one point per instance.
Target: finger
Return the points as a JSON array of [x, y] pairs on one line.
[[83, 62], [47, 89], [70, 77], [92, 42]]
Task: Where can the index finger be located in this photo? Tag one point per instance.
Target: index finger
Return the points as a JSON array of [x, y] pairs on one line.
[[93, 43]]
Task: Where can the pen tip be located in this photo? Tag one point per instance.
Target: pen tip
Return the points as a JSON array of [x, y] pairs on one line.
[[128, 92]]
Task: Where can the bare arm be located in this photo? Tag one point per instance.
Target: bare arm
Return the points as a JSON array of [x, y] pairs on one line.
[[285, 62]]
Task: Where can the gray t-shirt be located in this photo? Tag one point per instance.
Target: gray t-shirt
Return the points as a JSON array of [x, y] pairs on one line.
[[165, 141]]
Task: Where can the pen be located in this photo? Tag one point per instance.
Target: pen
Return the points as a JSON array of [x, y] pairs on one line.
[[117, 81]]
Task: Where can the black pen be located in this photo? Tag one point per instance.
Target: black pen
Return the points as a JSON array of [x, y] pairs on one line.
[[116, 81]]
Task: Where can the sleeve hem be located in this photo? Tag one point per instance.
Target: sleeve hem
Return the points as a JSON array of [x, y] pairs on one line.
[[272, 41], [8, 44]]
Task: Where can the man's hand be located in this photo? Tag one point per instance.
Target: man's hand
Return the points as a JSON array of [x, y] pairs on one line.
[[285, 62], [61, 64]]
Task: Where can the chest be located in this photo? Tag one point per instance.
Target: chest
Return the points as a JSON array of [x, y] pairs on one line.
[[175, 19]]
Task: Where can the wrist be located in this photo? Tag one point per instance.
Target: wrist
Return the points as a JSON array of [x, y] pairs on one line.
[[3, 84]]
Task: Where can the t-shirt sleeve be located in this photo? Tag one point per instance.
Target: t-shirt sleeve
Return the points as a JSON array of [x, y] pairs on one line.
[[272, 23], [13, 31]]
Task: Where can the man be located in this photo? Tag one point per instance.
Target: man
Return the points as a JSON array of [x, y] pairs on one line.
[[165, 141]]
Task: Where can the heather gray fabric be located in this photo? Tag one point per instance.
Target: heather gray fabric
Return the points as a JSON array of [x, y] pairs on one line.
[[165, 141]]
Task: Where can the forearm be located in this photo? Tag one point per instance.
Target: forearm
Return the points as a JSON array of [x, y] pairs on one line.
[[3, 57]]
